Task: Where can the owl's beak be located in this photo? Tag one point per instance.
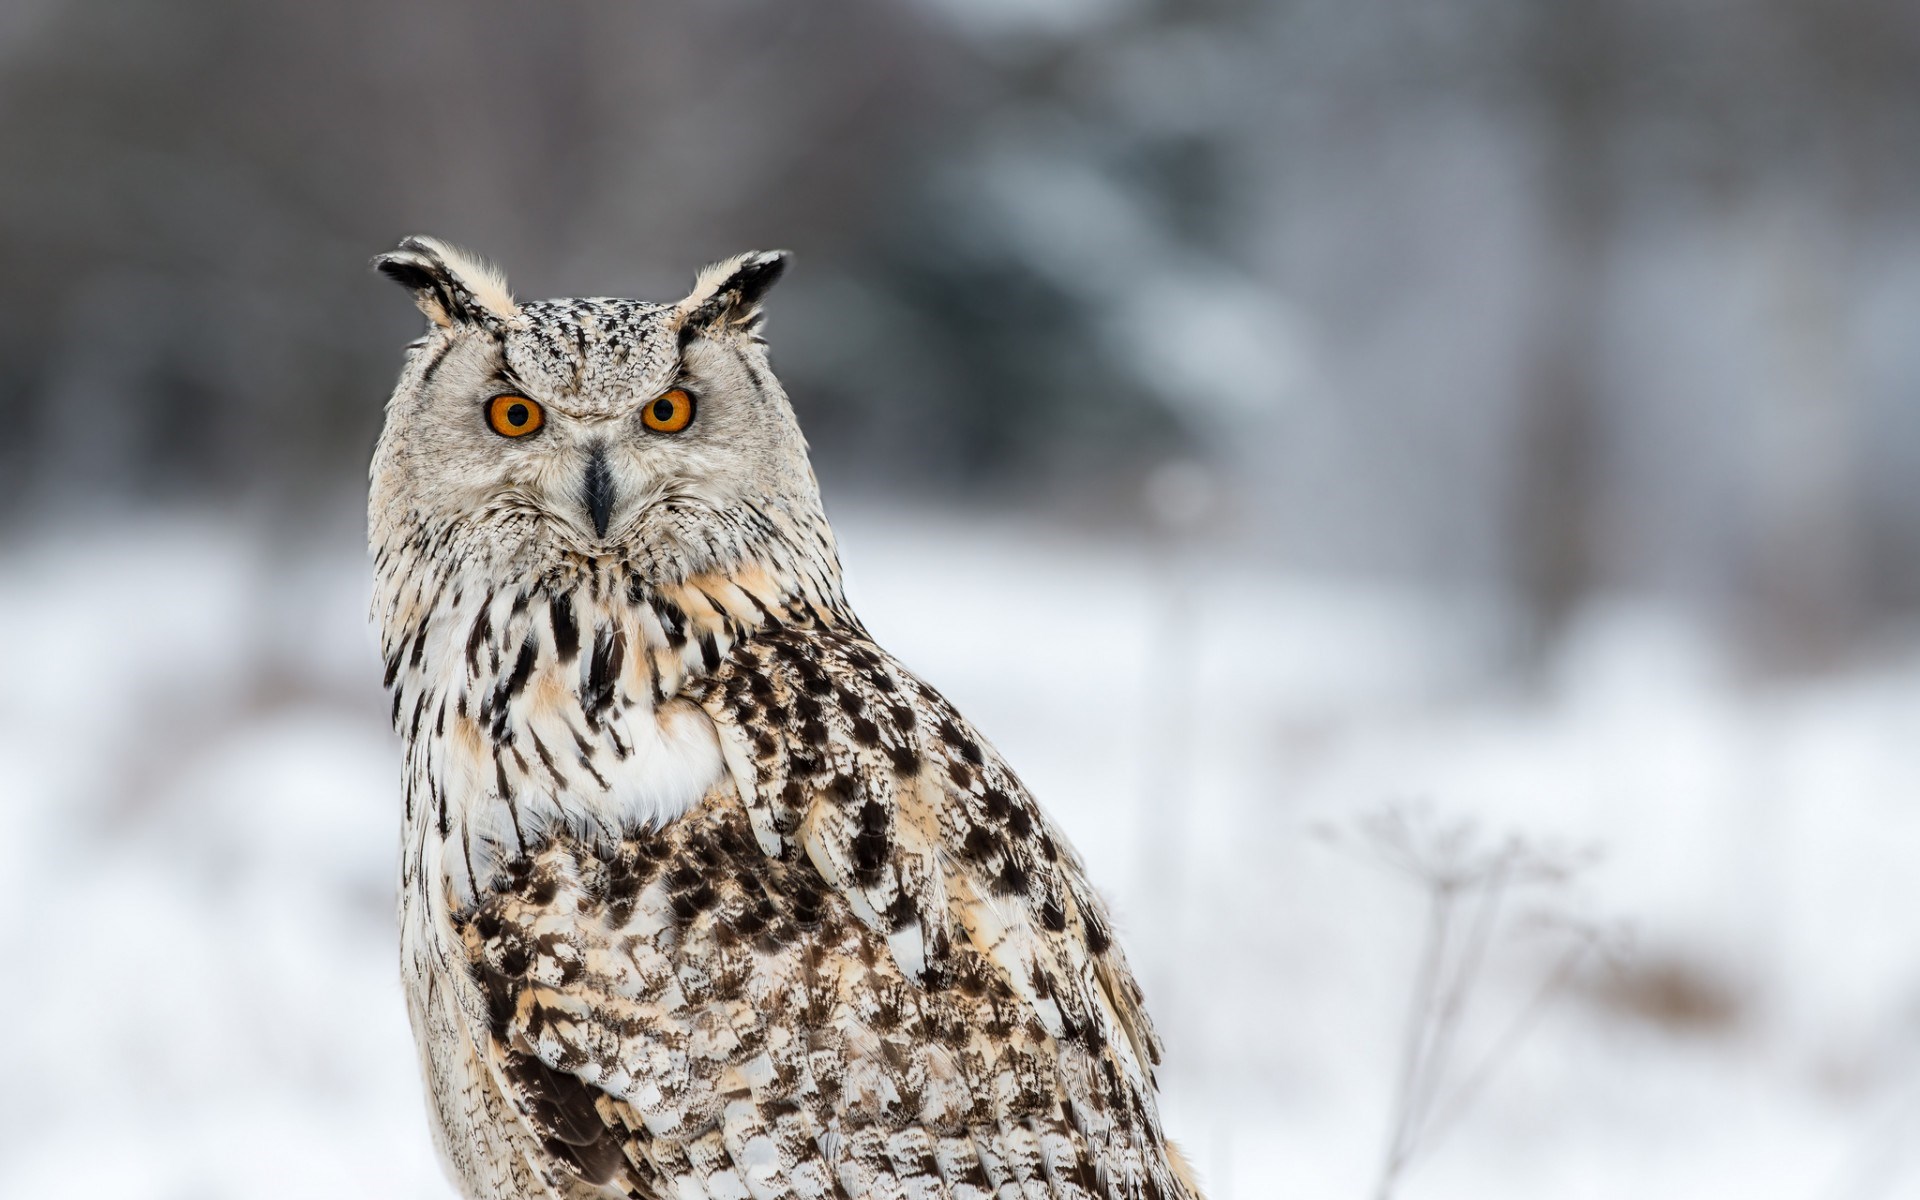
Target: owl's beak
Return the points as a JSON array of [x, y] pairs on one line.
[[598, 493]]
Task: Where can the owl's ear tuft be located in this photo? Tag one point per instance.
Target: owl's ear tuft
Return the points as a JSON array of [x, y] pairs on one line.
[[726, 297], [448, 284]]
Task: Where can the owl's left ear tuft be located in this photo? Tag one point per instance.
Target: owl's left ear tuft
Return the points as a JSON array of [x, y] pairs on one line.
[[448, 284], [727, 295]]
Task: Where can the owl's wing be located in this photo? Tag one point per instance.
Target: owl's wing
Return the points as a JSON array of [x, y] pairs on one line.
[[844, 758], [875, 971]]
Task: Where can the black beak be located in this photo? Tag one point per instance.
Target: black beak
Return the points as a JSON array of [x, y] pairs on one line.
[[599, 490]]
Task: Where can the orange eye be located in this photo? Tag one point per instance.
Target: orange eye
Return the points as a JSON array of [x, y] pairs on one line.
[[514, 416], [671, 413]]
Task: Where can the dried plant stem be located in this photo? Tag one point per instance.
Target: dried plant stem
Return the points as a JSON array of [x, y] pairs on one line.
[[1467, 886], [1453, 1001], [1503, 1047], [1414, 1040]]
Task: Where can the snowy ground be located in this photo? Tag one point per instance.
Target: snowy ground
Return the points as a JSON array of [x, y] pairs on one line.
[[200, 801]]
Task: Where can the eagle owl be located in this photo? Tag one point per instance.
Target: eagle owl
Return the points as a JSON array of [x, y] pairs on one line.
[[703, 895]]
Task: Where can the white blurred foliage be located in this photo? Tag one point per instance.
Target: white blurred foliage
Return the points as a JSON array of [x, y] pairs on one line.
[[202, 802]]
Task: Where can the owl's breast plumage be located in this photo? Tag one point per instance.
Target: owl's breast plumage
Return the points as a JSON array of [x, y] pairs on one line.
[[704, 895]]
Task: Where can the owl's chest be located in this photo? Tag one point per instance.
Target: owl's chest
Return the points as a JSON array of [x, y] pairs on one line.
[[531, 715], [502, 785], [498, 793]]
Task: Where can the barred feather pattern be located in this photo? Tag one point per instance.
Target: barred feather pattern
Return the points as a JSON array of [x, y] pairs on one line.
[[702, 894], [851, 958]]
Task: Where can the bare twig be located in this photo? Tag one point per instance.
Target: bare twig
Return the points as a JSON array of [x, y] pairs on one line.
[[1467, 883], [1414, 1039], [1454, 1000], [1504, 1045]]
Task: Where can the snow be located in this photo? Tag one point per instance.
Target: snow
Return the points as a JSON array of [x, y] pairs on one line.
[[201, 796]]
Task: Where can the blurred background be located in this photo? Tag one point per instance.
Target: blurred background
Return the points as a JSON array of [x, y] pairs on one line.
[[1472, 449]]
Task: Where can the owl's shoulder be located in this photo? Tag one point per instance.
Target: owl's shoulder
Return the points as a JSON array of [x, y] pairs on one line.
[[842, 755], [874, 930]]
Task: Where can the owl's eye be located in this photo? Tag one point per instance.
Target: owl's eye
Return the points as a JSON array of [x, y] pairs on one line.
[[671, 413], [514, 416]]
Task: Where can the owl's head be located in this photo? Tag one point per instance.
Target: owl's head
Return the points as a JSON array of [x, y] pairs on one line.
[[589, 428]]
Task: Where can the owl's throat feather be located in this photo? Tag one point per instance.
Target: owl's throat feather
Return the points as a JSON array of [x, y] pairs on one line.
[[561, 704]]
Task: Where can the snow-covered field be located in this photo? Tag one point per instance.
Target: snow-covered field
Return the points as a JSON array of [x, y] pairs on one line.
[[200, 806]]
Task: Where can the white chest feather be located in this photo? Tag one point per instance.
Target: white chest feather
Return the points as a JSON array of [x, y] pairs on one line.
[[639, 768], [526, 712], [674, 760]]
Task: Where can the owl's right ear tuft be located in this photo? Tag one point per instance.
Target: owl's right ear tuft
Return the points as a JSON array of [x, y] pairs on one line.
[[727, 296], [448, 284]]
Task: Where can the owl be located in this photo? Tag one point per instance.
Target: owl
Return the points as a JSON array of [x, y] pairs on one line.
[[704, 895]]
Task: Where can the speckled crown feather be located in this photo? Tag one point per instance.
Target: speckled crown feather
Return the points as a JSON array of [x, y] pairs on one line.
[[594, 357]]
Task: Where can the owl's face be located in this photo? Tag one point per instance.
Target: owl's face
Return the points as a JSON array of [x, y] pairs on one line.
[[587, 427]]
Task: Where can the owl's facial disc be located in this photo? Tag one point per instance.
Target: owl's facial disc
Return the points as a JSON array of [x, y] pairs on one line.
[[591, 470], [594, 426]]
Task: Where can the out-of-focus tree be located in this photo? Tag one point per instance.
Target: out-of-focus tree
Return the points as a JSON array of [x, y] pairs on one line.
[[1552, 301], [1572, 63], [192, 192]]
